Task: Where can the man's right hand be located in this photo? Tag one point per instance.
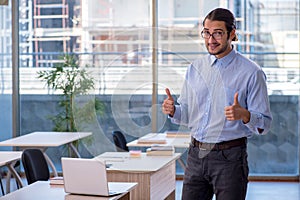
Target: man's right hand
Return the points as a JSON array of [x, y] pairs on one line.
[[168, 104]]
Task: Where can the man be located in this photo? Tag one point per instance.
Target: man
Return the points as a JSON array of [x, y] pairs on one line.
[[223, 101]]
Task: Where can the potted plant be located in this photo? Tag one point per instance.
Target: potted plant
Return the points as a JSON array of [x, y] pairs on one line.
[[70, 81]]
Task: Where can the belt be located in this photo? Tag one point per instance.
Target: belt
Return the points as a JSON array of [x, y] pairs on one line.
[[219, 146]]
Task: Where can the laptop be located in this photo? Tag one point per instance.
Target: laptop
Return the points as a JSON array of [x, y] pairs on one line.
[[88, 177]]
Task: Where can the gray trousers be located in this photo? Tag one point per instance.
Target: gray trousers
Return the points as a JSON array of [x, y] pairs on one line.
[[223, 173]]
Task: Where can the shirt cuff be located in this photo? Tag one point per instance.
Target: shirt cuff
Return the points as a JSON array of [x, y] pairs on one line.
[[177, 115], [256, 121]]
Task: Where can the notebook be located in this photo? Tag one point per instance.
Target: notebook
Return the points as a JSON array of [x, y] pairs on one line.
[[88, 177]]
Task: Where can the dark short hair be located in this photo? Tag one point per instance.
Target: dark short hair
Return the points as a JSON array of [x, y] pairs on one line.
[[222, 14]]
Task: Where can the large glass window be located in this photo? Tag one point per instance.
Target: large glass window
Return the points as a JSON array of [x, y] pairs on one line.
[[5, 73]]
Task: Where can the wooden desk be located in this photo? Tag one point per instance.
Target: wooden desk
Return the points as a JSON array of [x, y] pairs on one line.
[[177, 142], [43, 140], [9, 159], [42, 190], [155, 175]]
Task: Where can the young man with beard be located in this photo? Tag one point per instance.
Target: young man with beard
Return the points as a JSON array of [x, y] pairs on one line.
[[223, 101]]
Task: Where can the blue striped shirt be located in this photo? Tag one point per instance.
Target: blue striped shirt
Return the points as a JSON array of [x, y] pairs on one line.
[[210, 85]]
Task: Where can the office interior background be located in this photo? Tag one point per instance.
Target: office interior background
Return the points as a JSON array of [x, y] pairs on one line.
[[133, 50]]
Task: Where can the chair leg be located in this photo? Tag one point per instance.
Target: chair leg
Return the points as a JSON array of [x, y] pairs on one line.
[[2, 189], [18, 187], [17, 165]]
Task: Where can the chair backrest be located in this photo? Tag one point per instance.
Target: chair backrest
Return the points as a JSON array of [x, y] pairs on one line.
[[35, 165], [120, 141]]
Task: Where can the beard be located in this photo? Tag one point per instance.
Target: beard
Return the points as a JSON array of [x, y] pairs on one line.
[[216, 48]]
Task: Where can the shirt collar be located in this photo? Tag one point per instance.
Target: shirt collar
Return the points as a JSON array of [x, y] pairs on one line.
[[212, 59], [223, 62]]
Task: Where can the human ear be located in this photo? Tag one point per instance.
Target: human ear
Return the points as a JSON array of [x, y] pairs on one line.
[[233, 35]]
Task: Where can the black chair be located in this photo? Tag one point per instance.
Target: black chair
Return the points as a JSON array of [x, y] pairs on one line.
[[35, 165], [120, 141]]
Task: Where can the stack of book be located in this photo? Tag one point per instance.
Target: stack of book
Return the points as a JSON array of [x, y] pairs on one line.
[[153, 138], [135, 153], [160, 150], [171, 134], [57, 180]]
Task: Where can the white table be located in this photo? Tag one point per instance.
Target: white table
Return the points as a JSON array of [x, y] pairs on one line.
[[44, 140], [42, 190], [177, 142], [9, 159], [155, 175]]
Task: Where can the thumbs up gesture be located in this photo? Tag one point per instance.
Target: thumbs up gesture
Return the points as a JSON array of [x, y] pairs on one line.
[[168, 104], [236, 111]]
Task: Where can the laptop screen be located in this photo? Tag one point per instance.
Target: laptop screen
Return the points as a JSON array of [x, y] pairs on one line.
[[85, 176]]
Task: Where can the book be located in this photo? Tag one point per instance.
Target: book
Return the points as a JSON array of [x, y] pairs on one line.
[[135, 153], [153, 138], [149, 152], [57, 180], [177, 134], [160, 150], [157, 147]]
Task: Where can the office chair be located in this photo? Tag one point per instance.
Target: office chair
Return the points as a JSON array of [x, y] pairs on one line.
[[35, 165], [120, 141]]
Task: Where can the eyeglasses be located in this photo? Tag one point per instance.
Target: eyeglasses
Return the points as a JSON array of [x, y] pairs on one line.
[[216, 35]]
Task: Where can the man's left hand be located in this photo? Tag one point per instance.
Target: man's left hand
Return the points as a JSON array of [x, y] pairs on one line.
[[236, 111]]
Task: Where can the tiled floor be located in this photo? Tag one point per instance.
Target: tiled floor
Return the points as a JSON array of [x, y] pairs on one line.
[[264, 191], [256, 190]]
